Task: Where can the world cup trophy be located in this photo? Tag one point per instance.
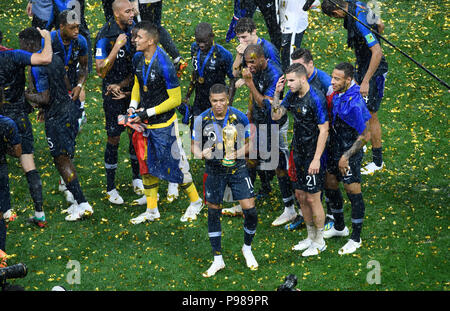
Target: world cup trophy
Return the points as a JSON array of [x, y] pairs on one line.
[[229, 134]]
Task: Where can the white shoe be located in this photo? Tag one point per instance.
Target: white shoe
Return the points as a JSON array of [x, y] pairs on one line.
[[371, 168], [8, 214], [172, 192], [61, 185], [88, 210], [232, 211], [365, 149], [114, 197], [192, 211], [302, 245], [333, 232], [70, 209], [80, 211], [350, 247], [69, 197], [250, 259], [146, 216], [216, 266], [286, 217], [138, 186], [141, 201], [314, 249]]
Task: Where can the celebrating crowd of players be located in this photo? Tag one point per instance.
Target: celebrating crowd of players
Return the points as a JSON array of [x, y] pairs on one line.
[[333, 116]]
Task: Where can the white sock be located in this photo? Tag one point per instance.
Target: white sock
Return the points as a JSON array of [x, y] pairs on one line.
[[152, 210], [82, 105], [311, 229], [218, 258], [176, 60], [61, 181], [247, 248], [300, 212], [319, 236], [290, 209], [39, 214]]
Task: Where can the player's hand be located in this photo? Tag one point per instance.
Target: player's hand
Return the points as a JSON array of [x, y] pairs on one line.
[[40, 116], [280, 84], [241, 48], [121, 40], [207, 153], [239, 83], [246, 74], [138, 112], [44, 33], [314, 167], [131, 111], [364, 89], [343, 165], [113, 89], [76, 93]]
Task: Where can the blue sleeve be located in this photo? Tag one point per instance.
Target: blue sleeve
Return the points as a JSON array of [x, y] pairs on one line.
[[198, 128], [102, 48], [168, 71], [271, 52], [83, 45], [61, 5], [9, 130], [321, 110], [228, 57], [324, 79], [21, 57], [193, 49], [270, 91], [370, 38], [40, 77]]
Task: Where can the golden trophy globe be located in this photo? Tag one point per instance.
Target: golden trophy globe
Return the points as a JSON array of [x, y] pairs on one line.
[[229, 134]]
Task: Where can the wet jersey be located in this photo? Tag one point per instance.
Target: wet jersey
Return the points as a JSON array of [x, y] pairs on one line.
[[12, 80], [308, 111]]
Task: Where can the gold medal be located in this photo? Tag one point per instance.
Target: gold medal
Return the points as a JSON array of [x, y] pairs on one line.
[[201, 80], [220, 146], [145, 88], [66, 67]]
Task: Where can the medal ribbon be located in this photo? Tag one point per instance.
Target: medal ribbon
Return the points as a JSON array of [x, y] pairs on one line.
[[145, 73], [216, 129], [68, 54], [202, 67]]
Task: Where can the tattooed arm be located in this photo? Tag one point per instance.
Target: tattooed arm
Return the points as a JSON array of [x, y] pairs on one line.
[[357, 145]]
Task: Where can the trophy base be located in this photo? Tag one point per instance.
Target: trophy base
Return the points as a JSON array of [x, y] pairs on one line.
[[228, 163]]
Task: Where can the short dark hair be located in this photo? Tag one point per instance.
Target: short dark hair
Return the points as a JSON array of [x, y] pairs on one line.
[[218, 88], [68, 17], [302, 53], [257, 49], [204, 29], [297, 68], [329, 7], [245, 24], [150, 28], [30, 36], [347, 68]]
